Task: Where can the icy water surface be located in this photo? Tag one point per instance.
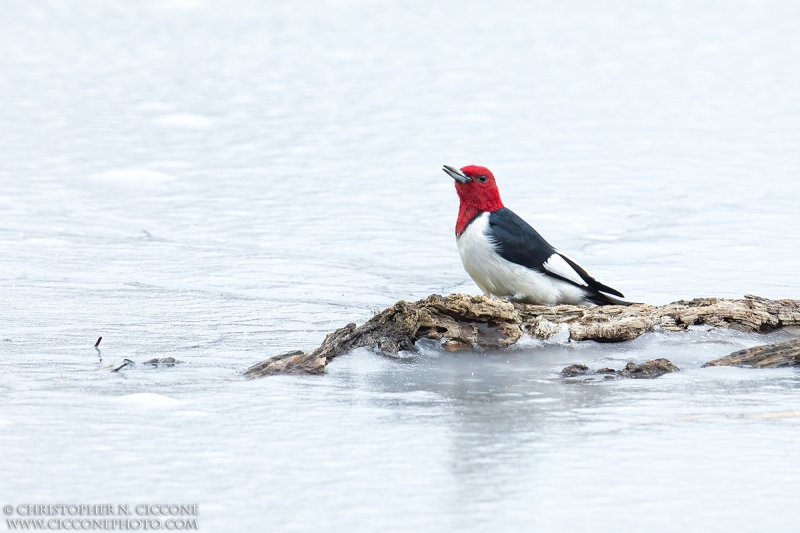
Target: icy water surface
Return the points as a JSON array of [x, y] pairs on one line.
[[222, 181]]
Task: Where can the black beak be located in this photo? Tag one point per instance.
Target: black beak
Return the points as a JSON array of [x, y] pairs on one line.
[[456, 174]]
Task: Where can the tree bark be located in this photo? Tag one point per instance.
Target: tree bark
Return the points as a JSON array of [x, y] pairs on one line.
[[776, 355], [460, 321]]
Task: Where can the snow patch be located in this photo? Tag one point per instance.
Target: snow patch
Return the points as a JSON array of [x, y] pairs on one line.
[[133, 177], [185, 120], [180, 4], [148, 399]]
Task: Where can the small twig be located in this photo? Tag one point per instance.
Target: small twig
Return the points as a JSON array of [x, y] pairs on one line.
[[99, 353], [125, 362]]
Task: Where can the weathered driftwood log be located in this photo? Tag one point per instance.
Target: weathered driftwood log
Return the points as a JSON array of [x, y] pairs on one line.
[[461, 322], [647, 370], [776, 355]]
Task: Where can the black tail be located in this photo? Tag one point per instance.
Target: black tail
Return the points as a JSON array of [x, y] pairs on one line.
[[599, 298]]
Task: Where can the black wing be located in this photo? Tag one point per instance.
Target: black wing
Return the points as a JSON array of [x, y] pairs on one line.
[[519, 243]]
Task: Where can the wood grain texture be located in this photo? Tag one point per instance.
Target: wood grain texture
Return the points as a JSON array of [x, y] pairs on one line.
[[461, 322]]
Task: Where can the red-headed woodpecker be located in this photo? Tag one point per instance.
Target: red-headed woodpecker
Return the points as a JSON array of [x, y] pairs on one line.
[[506, 257]]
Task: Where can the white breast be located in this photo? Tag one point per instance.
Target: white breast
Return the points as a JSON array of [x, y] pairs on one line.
[[499, 277]]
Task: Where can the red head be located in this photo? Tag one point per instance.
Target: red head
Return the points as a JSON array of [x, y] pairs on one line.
[[477, 191]]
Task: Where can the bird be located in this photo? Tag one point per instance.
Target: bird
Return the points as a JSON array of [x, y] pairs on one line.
[[507, 258]]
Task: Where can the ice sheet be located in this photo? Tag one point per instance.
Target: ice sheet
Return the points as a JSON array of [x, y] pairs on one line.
[[218, 182]]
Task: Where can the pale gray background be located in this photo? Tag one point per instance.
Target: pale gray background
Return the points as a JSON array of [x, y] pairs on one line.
[[221, 181]]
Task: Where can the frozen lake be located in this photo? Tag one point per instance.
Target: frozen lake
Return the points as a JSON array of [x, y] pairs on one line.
[[223, 181]]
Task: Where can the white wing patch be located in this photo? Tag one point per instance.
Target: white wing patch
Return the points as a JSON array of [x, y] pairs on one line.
[[555, 264]]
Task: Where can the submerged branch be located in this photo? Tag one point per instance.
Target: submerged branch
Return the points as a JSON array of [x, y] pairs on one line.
[[776, 355], [462, 322]]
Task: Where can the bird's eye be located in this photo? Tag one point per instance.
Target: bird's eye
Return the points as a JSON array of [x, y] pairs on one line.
[[482, 179]]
